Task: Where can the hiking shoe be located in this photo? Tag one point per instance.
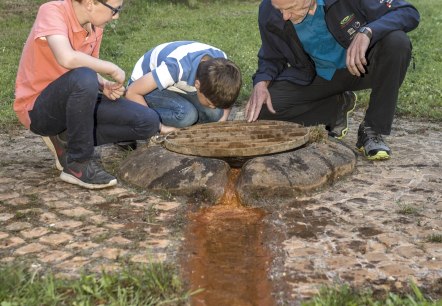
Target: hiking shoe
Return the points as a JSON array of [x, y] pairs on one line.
[[58, 148], [371, 144], [348, 105], [88, 174]]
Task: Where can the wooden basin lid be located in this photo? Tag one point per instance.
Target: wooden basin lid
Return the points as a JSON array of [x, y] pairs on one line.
[[237, 138]]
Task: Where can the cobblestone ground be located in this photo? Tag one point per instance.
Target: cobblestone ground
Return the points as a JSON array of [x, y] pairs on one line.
[[51, 224], [380, 226]]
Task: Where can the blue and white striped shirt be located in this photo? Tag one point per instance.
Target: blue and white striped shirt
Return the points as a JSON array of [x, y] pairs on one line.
[[174, 64]]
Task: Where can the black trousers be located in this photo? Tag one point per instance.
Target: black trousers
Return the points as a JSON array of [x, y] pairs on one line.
[[72, 105], [318, 102]]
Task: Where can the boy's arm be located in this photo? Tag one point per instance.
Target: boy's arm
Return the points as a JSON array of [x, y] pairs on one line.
[[141, 87], [70, 59], [225, 115]]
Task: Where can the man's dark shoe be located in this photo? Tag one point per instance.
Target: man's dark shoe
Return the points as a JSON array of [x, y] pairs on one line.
[[58, 148], [348, 105], [88, 174], [371, 144]]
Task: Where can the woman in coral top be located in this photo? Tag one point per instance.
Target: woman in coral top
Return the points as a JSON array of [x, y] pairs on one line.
[[63, 95]]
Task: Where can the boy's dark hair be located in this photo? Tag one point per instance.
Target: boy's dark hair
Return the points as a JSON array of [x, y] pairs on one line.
[[220, 81]]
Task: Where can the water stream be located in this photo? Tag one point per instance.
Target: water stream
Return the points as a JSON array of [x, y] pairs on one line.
[[226, 255]]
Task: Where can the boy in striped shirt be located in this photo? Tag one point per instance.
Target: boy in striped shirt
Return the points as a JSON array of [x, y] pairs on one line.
[[186, 82]]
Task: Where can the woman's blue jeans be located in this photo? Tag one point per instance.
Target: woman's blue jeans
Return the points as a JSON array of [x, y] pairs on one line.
[[180, 110], [72, 105]]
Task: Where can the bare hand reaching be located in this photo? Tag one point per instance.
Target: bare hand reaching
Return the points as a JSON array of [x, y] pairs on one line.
[[260, 95], [165, 129]]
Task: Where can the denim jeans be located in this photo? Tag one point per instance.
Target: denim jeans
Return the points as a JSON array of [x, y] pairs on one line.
[[181, 110], [72, 105]]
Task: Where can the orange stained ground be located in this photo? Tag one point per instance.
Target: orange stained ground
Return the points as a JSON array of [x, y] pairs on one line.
[[226, 255]]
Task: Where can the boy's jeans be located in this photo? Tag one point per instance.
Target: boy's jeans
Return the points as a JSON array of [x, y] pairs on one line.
[[181, 110], [72, 103]]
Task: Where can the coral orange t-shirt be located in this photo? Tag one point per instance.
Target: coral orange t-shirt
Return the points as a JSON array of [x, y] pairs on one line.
[[38, 66]]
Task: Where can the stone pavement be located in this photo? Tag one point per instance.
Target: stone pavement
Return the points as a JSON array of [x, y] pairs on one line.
[[379, 226], [47, 223]]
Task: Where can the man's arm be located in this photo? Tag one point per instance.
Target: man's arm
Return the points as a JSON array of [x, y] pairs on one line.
[[397, 15], [271, 61]]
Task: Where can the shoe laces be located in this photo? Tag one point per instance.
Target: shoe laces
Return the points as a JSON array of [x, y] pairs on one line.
[[94, 164], [372, 135]]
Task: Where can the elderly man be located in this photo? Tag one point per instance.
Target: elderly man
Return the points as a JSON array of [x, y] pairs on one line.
[[315, 53]]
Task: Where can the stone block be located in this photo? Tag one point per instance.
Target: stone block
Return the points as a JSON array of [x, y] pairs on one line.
[[279, 178], [156, 169]]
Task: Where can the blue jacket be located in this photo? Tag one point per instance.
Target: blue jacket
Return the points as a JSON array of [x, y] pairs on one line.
[[281, 56]]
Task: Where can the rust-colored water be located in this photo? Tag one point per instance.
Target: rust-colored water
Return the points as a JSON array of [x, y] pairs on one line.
[[226, 255]]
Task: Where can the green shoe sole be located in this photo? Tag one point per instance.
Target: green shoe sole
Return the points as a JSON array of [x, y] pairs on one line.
[[380, 155]]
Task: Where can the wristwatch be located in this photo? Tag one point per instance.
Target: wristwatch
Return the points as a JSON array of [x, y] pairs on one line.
[[366, 31]]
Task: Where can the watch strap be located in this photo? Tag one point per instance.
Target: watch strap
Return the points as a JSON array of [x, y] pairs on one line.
[[366, 31]]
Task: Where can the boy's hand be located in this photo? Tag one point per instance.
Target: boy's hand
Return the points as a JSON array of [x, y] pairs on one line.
[[165, 129], [113, 90]]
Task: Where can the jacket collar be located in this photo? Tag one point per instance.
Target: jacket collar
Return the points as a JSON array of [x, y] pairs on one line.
[[275, 16]]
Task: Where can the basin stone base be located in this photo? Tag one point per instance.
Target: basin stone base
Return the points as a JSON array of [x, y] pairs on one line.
[[156, 169], [265, 180], [280, 178]]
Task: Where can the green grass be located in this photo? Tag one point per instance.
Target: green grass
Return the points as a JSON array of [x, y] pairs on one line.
[[152, 284], [406, 209], [231, 26], [435, 238], [155, 284], [343, 295], [421, 93]]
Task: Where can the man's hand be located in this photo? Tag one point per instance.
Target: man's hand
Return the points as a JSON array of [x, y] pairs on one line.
[[356, 60], [260, 95]]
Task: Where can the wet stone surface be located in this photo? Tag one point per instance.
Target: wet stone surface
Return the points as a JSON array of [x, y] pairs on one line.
[[154, 168], [377, 227], [264, 180], [280, 178]]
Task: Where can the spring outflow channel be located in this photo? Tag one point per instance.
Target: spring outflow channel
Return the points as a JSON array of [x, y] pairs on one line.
[[226, 256]]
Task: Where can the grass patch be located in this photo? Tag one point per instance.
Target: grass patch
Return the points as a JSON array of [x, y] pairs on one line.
[[152, 284], [232, 27], [343, 295], [435, 238], [318, 134], [407, 209]]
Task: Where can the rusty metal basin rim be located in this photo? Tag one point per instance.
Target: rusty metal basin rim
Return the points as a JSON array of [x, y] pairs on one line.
[[237, 138]]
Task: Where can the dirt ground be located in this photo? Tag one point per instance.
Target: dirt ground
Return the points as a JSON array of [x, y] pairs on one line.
[[379, 227]]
